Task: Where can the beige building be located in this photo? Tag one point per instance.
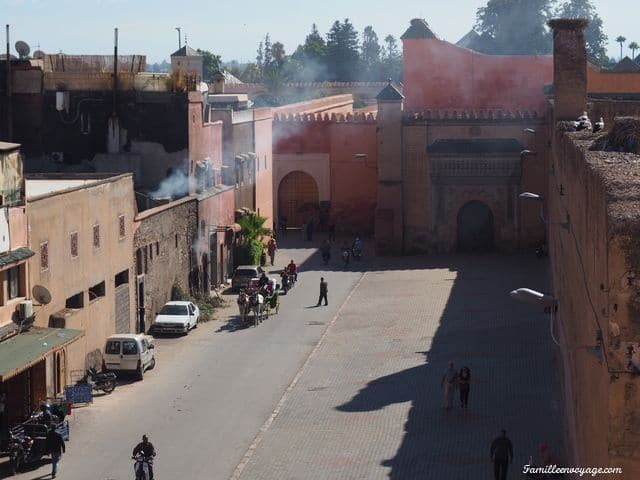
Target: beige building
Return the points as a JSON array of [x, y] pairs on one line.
[[80, 230], [187, 60]]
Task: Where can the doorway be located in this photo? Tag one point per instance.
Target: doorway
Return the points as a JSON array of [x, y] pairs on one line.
[[475, 228]]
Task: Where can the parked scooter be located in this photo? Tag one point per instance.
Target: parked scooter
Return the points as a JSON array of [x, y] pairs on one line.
[[22, 452], [105, 382], [141, 466]]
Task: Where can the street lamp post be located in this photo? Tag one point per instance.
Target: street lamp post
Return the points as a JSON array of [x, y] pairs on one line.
[[548, 302]]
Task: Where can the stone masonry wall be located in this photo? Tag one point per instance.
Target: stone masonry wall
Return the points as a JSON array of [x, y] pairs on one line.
[[167, 234]]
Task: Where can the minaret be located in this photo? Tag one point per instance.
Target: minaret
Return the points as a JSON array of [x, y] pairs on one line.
[[389, 212]]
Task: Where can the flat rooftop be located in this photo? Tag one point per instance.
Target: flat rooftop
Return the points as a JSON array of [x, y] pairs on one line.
[[39, 185]]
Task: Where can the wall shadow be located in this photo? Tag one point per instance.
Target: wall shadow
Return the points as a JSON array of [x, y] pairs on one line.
[[508, 348]]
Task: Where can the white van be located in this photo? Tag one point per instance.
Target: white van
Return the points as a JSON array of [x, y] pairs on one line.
[[129, 352]]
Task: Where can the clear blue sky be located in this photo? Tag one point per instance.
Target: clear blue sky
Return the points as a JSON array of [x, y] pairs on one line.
[[234, 28]]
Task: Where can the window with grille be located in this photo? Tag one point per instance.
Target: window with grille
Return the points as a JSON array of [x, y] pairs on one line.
[[121, 227], [44, 256], [73, 241], [96, 236]]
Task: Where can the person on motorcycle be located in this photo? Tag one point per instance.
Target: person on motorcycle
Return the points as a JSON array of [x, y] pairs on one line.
[[357, 247], [284, 274], [292, 270], [145, 447]]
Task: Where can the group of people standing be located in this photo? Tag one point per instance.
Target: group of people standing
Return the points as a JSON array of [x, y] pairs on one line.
[[453, 379]]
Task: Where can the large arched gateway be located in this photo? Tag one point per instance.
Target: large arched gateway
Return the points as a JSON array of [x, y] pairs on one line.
[[297, 197], [475, 228]]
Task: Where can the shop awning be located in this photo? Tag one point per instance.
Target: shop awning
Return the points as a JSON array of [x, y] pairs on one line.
[[26, 349]]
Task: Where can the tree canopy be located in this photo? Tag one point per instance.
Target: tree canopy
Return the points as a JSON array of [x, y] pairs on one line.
[[594, 34], [517, 27], [210, 64]]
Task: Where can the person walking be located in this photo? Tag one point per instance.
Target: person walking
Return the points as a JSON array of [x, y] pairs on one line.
[[55, 446], [448, 383], [310, 230], [464, 380], [272, 246], [501, 455], [324, 289]]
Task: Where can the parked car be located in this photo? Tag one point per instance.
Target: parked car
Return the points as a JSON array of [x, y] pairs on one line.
[[243, 275], [129, 353], [177, 317]]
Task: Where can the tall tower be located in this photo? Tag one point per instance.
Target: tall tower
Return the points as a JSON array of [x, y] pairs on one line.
[[389, 223]]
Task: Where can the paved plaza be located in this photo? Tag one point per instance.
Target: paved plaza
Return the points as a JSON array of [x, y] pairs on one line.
[[368, 402]]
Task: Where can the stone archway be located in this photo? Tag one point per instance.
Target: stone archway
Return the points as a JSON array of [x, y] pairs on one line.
[[298, 197], [475, 228]]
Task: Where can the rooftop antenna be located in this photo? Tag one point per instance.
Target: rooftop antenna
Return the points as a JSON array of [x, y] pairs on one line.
[[179, 38], [23, 49]]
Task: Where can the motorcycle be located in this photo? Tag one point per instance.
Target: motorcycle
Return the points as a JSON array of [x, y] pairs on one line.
[[22, 452], [141, 466], [105, 382]]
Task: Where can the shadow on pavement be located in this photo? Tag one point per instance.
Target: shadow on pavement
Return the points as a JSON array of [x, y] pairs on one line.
[[509, 351]]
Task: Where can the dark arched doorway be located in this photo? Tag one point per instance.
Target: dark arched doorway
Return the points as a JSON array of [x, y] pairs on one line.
[[298, 198], [475, 228]]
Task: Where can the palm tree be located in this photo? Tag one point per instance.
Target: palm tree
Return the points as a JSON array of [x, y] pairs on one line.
[[253, 229], [621, 40], [634, 46]]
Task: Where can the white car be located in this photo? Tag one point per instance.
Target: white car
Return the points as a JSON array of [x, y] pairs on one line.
[[129, 352], [176, 317]]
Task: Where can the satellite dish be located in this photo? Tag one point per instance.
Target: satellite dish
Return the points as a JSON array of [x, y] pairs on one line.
[[41, 294], [23, 48], [38, 54]]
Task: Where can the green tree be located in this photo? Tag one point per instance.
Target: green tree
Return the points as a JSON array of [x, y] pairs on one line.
[[370, 54], [594, 33], [278, 55], [252, 229], [621, 41], [634, 46], [251, 74], [210, 64], [343, 52], [391, 59], [308, 62], [517, 27]]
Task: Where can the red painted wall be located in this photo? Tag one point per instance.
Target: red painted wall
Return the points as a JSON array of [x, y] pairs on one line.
[[439, 75]]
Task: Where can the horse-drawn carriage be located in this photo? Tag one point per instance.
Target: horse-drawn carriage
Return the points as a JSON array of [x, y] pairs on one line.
[[256, 303]]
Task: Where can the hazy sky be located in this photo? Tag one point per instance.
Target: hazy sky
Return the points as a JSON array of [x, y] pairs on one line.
[[234, 28]]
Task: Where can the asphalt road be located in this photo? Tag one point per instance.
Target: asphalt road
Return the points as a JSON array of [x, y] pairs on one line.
[[210, 392]]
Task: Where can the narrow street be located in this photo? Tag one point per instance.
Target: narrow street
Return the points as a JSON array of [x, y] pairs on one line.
[[365, 402], [210, 392]]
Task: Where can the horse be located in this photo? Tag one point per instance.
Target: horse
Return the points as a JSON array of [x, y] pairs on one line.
[[256, 301], [244, 305]]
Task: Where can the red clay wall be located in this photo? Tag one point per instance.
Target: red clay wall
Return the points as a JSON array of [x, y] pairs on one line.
[[439, 75], [353, 179]]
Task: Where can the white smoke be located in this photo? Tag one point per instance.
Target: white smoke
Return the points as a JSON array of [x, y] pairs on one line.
[[176, 185]]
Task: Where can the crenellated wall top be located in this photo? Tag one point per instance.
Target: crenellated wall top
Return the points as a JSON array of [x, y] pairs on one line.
[[466, 116], [326, 118]]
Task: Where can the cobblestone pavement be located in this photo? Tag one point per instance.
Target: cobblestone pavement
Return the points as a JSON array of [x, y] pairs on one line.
[[368, 404]]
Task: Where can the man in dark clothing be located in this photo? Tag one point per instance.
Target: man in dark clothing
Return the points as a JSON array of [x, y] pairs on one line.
[[324, 289], [45, 418], [55, 446], [502, 455], [145, 447], [263, 280]]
